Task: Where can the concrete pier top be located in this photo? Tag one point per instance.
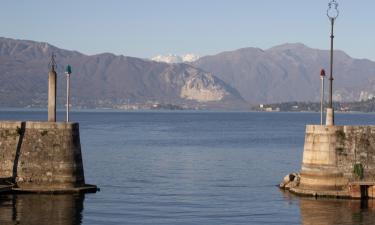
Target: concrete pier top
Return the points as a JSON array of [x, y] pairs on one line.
[[38, 124], [329, 128]]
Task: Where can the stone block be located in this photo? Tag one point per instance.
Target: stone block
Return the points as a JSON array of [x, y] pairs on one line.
[[44, 155], [371, 191]]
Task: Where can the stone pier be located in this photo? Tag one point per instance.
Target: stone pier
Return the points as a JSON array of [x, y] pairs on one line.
[[338, 161], [42, 157]]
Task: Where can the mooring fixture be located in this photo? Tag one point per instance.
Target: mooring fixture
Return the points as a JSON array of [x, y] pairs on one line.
[[332, 14], [322, 76], [68, 71], [52, 90]]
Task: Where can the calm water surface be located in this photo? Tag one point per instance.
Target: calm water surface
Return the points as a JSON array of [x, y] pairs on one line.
[[187, 168]]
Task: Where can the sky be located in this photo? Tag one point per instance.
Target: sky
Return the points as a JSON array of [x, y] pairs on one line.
[[145, 28]]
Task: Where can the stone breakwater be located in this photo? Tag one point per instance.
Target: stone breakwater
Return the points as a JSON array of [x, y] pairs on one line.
[[338, 161], [42, 157]]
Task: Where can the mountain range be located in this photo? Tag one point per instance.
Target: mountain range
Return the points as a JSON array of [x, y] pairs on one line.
[[228, 80], [106, 80], [290, 72]]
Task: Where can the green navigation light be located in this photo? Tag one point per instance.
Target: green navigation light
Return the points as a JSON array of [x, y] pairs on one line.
[[68, 69]]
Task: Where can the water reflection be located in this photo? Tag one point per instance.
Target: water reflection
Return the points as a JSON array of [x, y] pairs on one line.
[[334, 211], [41, 209]]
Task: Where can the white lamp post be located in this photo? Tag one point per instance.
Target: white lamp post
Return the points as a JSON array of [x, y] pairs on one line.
[[68, 71], [322, 76]]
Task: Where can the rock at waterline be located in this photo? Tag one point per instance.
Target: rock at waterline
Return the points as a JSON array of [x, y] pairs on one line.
[[290, 181]]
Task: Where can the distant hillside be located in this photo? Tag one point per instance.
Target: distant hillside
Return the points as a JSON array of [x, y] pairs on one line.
[[106, 80], [229, 80], [290, 72], [361, 106]]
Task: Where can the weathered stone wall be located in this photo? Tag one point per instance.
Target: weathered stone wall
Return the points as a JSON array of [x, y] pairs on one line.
[[319, 167], [355, 145], [9, 139], [339, 149], [336, 155], [319, 149], [41, 155]]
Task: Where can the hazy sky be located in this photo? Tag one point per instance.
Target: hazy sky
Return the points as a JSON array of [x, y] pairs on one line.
[[145, 28]]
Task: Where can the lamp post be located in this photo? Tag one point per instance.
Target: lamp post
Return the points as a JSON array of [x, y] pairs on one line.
[[332, 13], [322, 75], [68, 71]]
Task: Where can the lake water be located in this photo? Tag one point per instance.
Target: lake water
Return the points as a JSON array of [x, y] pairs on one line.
[[187, 168]]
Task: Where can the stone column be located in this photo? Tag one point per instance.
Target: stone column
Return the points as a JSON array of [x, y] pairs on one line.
[[330, 119], [52, 95]]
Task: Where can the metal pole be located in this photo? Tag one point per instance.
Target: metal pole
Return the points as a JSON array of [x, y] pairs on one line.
[[67, 96], [331, 67], [332, 13], [322, 76], [322, 97], [321, 100]]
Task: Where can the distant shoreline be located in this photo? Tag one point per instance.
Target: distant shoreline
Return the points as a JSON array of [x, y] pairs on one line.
[[62, 110]]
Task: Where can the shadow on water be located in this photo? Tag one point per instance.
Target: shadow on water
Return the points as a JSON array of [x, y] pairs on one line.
[[41, 209], [325, 211]]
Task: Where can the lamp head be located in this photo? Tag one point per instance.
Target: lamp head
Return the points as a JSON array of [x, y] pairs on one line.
[[68, 69], [332, 11], [52, 63], [322, 73]]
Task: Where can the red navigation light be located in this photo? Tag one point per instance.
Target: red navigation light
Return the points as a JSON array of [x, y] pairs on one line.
[[322, 73]]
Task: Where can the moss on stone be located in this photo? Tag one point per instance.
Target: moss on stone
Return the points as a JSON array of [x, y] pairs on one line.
[[358, 170], [44, 132], [340, 135], [340, 150]]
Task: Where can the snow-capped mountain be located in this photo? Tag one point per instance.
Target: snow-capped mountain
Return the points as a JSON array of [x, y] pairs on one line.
[[172, 58]]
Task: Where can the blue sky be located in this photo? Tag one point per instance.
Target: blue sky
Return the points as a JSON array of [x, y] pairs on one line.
[[145, 28]]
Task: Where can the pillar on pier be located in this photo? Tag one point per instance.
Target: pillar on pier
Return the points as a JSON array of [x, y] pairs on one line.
[[52, 92]]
